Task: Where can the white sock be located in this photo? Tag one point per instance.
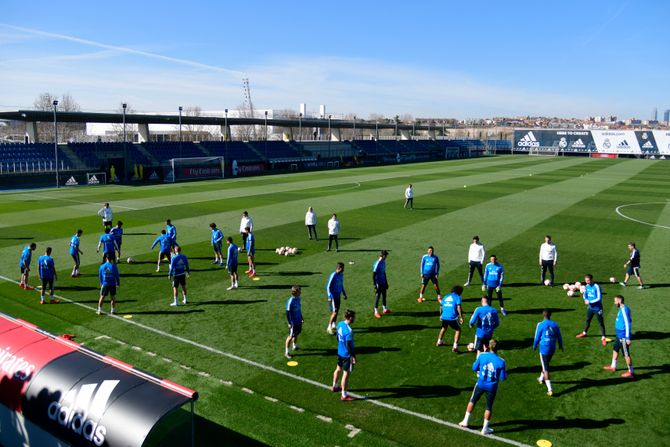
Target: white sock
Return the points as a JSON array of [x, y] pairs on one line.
[[421, 295], [614, 364], [455, 345], [541, 378], [548, 383], [486, 425], [286, 350], [466, 418], [184, 296]]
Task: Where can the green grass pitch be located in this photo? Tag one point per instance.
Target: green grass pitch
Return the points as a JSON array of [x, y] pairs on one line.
[[229, 344]]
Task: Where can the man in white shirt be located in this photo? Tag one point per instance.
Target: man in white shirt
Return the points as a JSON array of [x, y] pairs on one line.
[[409, 197], [548, 259], [106, 213], [333, 232], [310, 223], [245, 222], [476, 255]]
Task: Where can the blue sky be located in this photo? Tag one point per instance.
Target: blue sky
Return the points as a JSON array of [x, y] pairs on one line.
[[424, 58]]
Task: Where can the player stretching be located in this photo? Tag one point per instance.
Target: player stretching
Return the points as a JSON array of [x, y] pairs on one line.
[[346, 359], [632, 266], [117, 233], [164, 248], [476, 255], [493, 280], [178, 273], [171, 232], [251, 252], [430, 269], [490, 370], [75, 252], [451, 316], [622, 342], [294, 318], [217, 244], [334, 290], [231, 263], [109, 278], [593, 298], [548, 259], [380, 282], [486, 319], [109, 247], [47, 273], [24, 265], [547, 334]]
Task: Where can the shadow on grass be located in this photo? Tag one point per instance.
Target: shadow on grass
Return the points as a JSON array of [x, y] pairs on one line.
[[615, 380], [286, 287], [536, 368], [146, 275], [165, 312], [139, 234], [292, 274], [213, 302], [361, 250], [263, 263], [560, 423], [511, 345], [15, 238], [332, 352], [651, 335], [656, 286], [396, 328], [523, 284], [413, 391], [118, 301], [77, 288], [419, 314], [538, 311]]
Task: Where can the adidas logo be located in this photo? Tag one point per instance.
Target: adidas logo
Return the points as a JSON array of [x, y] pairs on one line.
[[647, 145], [623, 145], [153, 176], [528, 140], [93, 180], [579, 144], [71, 182], [80, 410]]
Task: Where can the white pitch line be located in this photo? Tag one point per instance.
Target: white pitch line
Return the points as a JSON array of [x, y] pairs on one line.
[[284, 373], [324, 418], [271, 399], [247, 390], [353, 431], [298, 409], [618, 208], [103, 337], [78, 201]]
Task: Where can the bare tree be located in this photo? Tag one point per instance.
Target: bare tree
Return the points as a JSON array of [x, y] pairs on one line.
[[66, 131], [131, 129], [244, 132], [195, 132]]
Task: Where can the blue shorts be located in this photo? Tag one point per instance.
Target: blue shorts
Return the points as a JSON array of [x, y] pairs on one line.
[[251, 252], [545, 359], [621, 345], [23, 269], [108, 290], [425, 279], [232, 268], [345, 363], [217, 247], [334, 304], [75, 256], [490, 396], [480, 342], [295, 330]]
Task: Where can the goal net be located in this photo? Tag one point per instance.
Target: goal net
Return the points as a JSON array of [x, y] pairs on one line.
[[96, 178], [546, 151], [195, 168]]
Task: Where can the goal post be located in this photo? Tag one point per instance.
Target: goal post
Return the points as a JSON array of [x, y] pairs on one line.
[[195, 168], [546, 151], [96, 178]]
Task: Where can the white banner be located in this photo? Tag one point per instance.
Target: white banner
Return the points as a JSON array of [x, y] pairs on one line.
[[616, 141], [662, 141]]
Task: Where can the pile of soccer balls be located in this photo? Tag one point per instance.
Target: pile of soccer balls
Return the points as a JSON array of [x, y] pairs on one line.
[[575, 288], [287, 251]]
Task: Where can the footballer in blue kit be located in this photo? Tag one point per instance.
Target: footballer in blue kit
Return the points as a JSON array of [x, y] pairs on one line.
[[622, 325], [547, 336], [108, 274], [593, 298], [47, 274], [109, 247], [486, 319], [217, 244], [335, 290], [346, 358], [494, 274], [24, 265], [430, 269], [294, 319], [117, 233], [75, 251], [490, 370], [171, 232], [178, 272], [380, 283], [451, 316], [250, 245], [231, 262], [165, 248]]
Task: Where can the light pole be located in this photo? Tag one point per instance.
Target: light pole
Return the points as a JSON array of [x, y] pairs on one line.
[[300, 126], [266, 125], [353, 133], [443, 134], [125, 150], [413, 130], [180, 152], [225, 127], [55, 104], [396, 127], [330, 135], [124, 106]]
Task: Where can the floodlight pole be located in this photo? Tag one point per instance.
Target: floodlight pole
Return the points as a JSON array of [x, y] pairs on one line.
[[353, 133], [266, 125], [125, 149], [180, 109], [300, 126], [396, 127], [55, 104], [225, 127]]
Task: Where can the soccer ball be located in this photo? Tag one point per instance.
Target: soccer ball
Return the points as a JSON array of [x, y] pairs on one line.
[[471, 347], [295, 250], [572, 288], [566, 286], [130, 260], [578, 284], [571, 292], [547, 282], [612, 279]]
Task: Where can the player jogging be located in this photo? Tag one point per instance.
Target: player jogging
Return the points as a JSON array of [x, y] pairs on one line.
[[476, 255], [171, 232], [547, 335], [250, 242], [47, 274], [294, 319], [109, 278], [486, 319], [409, 197], [117, 233], [217, 244], [490, 371], [380, 283], [451, 316], [106, 213], [622, 343], [231, 263], [24, 265], [430, 269], [494, 274], [178, 273], [593, 298], [334, 290], [164, 248], [548, 259], [346, 358], [75, 251], [632, 266], [109, 247]]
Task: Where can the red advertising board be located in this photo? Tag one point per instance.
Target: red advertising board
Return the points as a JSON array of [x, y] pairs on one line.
[[602, 155]]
